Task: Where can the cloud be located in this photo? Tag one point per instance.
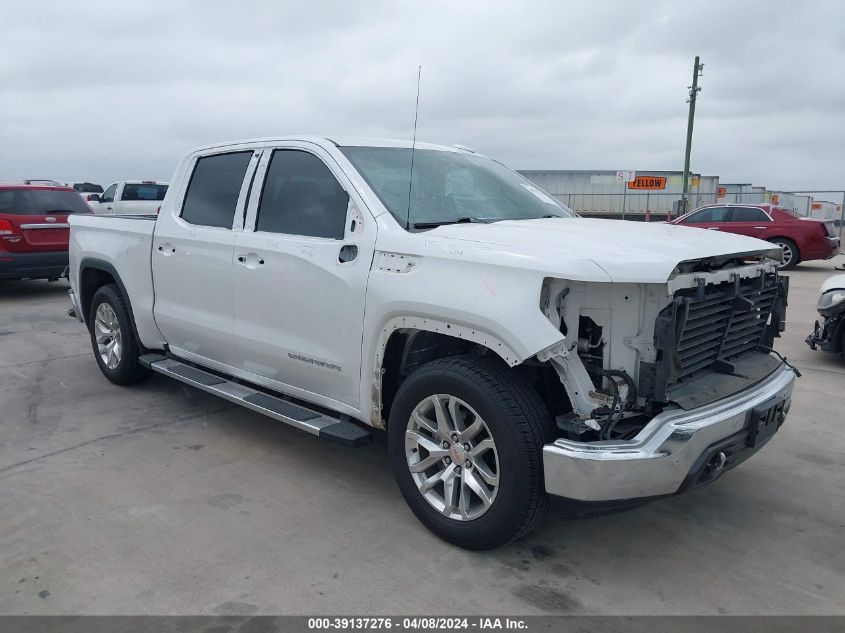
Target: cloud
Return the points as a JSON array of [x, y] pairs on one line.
[[104, 90]]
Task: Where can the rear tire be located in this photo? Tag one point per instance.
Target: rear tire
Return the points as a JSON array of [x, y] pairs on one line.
[[113, 339], [505, 492], [791, 255]]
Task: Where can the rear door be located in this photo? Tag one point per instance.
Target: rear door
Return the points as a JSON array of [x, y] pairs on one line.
[[192, 258], [300, 276], [750, 221], [34, 219], [713, 218]]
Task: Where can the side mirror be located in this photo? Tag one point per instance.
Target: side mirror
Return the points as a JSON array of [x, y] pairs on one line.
[[93, 197]]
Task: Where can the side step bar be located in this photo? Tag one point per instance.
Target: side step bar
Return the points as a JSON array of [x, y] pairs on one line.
[[323, 426]]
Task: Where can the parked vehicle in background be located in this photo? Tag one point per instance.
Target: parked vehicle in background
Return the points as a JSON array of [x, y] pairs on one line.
[[129, 197], [86, 189], [34, 230], [802, 239], [511, 350], [829, 333]]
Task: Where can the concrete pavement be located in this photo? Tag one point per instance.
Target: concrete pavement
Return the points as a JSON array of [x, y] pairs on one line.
[[159, 499]]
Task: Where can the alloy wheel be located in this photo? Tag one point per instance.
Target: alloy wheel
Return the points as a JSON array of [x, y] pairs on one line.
[[452, 457], [108, 335]]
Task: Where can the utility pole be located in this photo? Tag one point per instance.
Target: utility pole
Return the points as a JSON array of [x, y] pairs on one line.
[[697, 71]]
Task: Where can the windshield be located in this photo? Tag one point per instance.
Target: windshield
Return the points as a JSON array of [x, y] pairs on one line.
[[450, 187], [41, 201]]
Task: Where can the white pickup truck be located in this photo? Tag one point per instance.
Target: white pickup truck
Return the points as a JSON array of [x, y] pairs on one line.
[[129, 197], [512, 351]]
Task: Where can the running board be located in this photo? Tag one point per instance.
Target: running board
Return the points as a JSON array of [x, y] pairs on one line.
[[323, 426]]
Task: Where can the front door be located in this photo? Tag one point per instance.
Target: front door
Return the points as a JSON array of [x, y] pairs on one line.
[[192, 259], [300, 276]]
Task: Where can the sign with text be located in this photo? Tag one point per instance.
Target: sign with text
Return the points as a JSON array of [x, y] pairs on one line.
[[647, 182], [625, 176]]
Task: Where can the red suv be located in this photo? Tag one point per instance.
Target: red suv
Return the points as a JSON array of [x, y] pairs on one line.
[[800, 238], [34, 230]]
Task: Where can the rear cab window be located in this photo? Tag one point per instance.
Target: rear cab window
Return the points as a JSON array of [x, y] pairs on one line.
[[41, 202], [87, 187], [212, 195], [143, 191]]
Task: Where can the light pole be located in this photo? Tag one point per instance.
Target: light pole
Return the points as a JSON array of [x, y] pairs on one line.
[[694, 89]]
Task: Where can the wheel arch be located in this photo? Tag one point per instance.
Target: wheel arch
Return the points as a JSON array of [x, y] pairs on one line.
[[407, 342], [772, 238], [93, 275]]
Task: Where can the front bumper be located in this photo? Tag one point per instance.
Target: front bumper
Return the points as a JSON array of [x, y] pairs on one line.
[[828, 335], [673, 452]]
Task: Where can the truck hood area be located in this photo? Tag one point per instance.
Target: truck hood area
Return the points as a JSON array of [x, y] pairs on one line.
[[627, 252]]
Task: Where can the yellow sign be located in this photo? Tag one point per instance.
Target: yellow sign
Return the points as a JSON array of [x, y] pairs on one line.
[[647, 182]]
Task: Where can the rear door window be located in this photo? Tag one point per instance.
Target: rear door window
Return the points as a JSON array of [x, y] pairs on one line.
[[214, 188], [301, 196], [41, 202], [748, 214]]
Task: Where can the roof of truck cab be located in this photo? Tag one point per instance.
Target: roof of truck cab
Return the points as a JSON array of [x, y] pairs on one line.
[[338, 141]]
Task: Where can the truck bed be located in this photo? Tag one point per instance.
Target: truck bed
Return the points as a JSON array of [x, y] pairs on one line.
[[120, 245]]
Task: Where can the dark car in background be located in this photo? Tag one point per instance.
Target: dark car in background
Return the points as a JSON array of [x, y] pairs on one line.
[[801, 238], [34, 231]]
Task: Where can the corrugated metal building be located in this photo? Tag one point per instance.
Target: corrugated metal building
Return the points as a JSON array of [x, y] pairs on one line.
[[656, 195], [640, 195]]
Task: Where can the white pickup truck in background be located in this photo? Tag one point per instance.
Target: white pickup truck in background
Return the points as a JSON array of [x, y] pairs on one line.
[[512, 351], [129, 197]]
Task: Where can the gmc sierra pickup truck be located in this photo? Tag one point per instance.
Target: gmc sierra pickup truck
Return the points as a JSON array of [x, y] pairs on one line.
[[512, 351]]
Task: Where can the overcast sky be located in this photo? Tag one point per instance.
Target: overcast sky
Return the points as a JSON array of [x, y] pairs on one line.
[[107, 90]]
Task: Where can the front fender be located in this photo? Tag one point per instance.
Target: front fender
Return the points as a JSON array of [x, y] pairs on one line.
[[497, 307]]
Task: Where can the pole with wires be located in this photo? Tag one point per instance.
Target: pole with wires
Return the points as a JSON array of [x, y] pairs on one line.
[[694, 89]]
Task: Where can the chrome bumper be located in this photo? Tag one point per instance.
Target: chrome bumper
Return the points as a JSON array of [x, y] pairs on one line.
[[658, 460], [74, 311]]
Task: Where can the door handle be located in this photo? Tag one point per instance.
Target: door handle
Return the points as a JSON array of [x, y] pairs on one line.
[[166, 249], [761, 227], [250, 260], [348, 253]]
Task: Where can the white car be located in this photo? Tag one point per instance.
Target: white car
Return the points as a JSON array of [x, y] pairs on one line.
[[511, 350], [130, 197], [829, 331]]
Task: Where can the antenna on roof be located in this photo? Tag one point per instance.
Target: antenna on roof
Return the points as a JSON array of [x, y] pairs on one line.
[[413, 147]]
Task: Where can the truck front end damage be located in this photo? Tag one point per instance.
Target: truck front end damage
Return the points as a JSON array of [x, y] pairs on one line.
[[669, 385]]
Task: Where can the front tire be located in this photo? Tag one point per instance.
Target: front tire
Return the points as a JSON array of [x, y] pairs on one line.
[[791, 256], [112, 338], [465, 437]]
